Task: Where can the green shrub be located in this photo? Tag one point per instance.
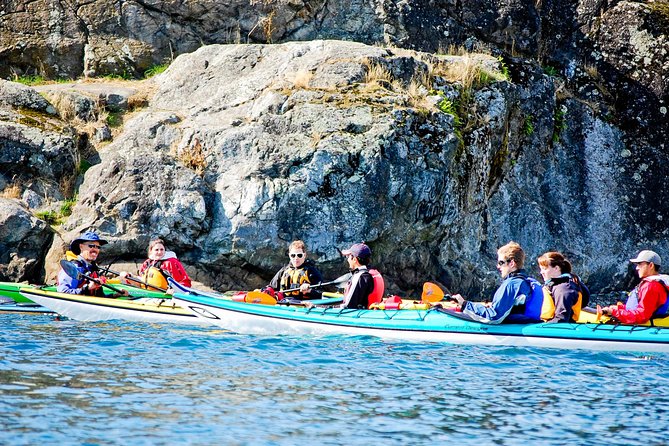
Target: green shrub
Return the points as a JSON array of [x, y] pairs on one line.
[[528, 125], [559, 123], [155, 70], [50, 217], [551, 71]]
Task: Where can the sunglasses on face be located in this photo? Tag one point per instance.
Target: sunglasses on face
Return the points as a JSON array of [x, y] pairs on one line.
[[90, 246], [299, 255], [502, 262]]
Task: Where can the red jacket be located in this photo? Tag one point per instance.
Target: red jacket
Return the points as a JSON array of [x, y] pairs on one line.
[[652, 296], [170, 264]]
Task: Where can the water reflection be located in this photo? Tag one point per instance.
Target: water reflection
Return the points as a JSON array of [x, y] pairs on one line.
[[104, 383]]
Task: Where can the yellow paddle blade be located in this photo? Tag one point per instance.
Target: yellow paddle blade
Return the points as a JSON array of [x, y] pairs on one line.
[[258, 297], [431, 292]]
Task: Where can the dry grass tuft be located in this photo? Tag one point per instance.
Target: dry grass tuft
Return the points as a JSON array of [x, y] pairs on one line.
[[193, 157], [376, 73], [11, 191], [302, 78]]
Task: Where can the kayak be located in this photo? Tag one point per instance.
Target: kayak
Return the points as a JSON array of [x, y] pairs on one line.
[[432, 325], [91, 308], [10, 290]]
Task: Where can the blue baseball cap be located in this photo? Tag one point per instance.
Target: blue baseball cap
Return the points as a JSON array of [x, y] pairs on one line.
[[359, 250], [85, 237]]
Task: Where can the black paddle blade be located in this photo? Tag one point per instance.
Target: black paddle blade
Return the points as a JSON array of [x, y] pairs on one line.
[[71, 269], [340, 282]]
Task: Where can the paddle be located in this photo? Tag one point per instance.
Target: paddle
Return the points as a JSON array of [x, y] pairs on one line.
[[258, 297], [134, 280], [72, 271], [432, 293], [338, 282]]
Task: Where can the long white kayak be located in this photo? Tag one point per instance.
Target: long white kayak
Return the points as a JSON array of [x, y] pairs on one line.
[[90, 308]]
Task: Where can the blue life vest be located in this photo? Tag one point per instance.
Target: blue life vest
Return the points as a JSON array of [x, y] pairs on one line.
[[534, 302]]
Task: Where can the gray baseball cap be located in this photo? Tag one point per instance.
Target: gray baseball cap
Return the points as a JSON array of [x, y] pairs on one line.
[[648, 256]]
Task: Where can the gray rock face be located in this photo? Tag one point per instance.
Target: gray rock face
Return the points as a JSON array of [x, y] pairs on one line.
[[247, 147], [37, 150], [24, 241]]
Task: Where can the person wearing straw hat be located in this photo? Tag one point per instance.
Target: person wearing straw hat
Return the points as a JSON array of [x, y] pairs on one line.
[[649, 298], [87, 248]]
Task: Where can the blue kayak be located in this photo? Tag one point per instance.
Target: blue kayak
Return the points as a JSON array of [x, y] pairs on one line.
[[435, 324]]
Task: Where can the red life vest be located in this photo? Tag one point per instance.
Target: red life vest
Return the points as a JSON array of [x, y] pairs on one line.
[[379, 287]]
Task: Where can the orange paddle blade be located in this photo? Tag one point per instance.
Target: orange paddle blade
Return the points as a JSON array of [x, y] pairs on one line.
[[431, 292], [258, 297]]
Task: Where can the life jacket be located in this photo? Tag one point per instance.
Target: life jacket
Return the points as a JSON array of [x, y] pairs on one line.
[[633, 298], [293, 278], [379, 287], [548, 305], [534, 303], [155, 278]]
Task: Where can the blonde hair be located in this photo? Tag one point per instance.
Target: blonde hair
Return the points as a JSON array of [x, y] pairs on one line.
[[512, 250], [298, 244]]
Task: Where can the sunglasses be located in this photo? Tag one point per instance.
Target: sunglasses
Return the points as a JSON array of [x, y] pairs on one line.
[[502, 262], [90, 246], [299, 255]]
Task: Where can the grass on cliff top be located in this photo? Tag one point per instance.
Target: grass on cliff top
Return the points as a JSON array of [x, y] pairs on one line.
[[35, 79]]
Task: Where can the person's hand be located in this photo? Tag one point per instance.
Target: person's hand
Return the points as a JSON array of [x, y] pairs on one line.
[[607, 311], [94, 286], [308, 304], [459, 299], [123, 275], [305, 288]]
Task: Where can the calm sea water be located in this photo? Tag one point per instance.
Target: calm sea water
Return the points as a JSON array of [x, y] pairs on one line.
[[74, 383]]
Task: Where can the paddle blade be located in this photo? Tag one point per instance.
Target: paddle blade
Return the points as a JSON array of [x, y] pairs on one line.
[[258, 297], [431, 292], [71, 269], [341, 281]]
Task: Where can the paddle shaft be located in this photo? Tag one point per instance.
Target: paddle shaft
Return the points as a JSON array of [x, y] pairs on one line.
[[338, 280], [99, 282], [135, 280]]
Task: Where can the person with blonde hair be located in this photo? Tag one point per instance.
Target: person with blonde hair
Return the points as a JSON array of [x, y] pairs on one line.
[[567, 293], [518, 299]]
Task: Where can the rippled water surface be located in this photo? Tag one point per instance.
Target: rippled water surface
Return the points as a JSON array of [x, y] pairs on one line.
[[67, 382]]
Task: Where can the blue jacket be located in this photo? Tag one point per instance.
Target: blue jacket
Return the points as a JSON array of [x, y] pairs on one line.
[[514, 290], [69, 285]]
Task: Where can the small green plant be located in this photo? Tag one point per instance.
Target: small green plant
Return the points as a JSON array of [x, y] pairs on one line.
[[114, 119], [155, 70], [551, 71], [30, 80], [559, 123], [50, 217], [66, 207], [116, 76], [528, 125], [84, 165], [504, 68]]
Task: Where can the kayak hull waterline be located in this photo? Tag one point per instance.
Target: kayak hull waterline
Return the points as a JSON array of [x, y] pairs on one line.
[[418, 325], [89, 308]]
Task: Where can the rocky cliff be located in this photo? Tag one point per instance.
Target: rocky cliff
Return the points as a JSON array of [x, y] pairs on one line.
[[550, 131]]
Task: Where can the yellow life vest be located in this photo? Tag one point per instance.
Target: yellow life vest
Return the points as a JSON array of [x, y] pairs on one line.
[[154, 278], [548, 306], [293, 278]]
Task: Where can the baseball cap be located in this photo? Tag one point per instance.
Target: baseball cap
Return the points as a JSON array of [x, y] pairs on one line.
[[358, 250], [648, 256]]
